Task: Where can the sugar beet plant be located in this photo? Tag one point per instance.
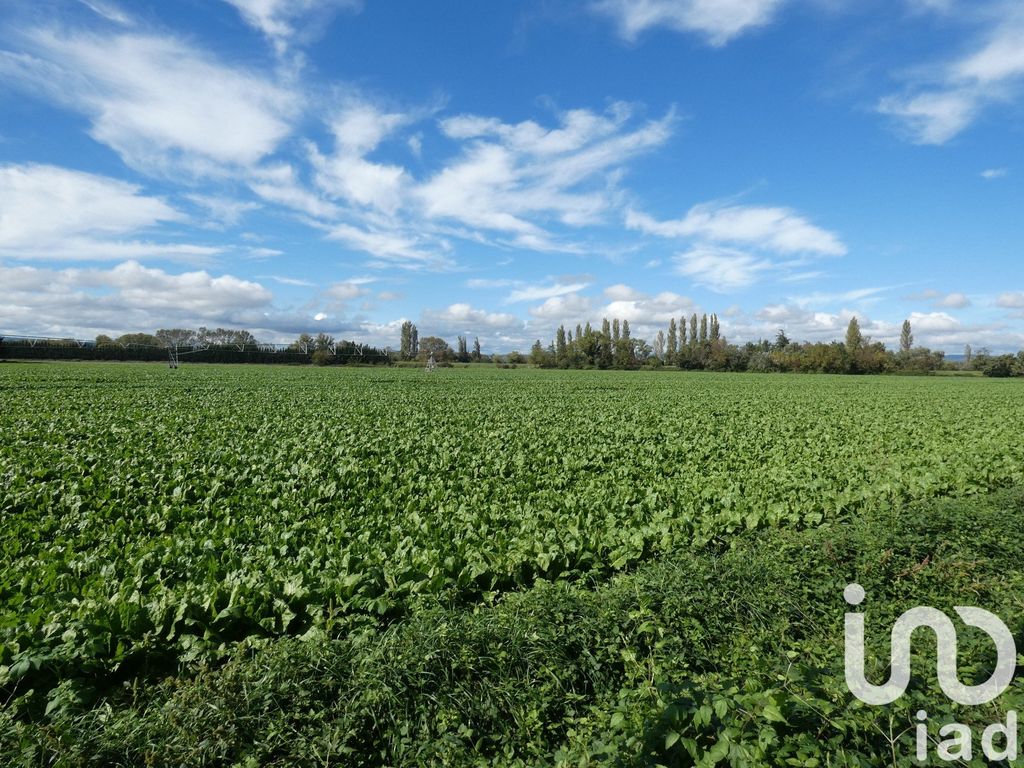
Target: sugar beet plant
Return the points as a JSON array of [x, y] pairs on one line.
[[152, 521]]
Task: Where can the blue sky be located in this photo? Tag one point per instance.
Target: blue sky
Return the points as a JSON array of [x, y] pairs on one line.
[[495, 169]]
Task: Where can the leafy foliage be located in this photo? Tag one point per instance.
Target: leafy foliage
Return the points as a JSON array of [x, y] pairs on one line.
[[709, 657], [155, 524]]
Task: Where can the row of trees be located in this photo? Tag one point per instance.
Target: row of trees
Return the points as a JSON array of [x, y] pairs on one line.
[[217, 345], [697, 343], [411, 347]]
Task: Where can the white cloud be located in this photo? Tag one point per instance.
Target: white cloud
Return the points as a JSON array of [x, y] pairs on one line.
[[932, 118], [722, 269], [954, 301], [940, 300], [534, 292], [716, 261], [358, 129], [157, 101], [648, 314], [945, 102], [506, 187], [463, 318], [489, 283], [570, 308], [42, 204], [1011, 300], [719, 21], [860, 295], [347, 290], [933, 322], [292, 281], [108, 11], [391, 247], [280, 184], [937, 330], [222, 211], [772, 228], [622, 292], [993, 173], [280, 20], [128, 297], [56, 213], [516, 178]]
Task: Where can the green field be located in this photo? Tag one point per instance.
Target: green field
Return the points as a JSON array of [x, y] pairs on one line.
[[164, 531]]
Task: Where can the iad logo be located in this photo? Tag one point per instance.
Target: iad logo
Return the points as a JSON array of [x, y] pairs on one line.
[[960, 746]]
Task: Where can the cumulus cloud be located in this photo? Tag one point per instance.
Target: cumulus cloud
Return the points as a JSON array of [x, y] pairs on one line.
[[569, 308], [646, 314], [463, 318], [347, 290], [718, 21], [940, 300], [160, 103], [622, 292], [1011, 300], [127, 297], [994, 173], [954, 301], [936, 330], [934, 321]]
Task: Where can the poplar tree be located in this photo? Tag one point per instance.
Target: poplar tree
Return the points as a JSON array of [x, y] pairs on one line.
[[670, 343], [906, 338], [604, 354], [854, 338]]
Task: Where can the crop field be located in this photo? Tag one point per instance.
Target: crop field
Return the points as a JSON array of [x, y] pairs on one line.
[[158, 525]]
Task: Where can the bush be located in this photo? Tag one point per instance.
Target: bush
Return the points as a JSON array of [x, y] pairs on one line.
[[1002, 367]]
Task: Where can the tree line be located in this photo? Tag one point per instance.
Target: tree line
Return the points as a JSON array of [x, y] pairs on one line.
[[412, 348], [691, 343], [697, 343], [202, 345]]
